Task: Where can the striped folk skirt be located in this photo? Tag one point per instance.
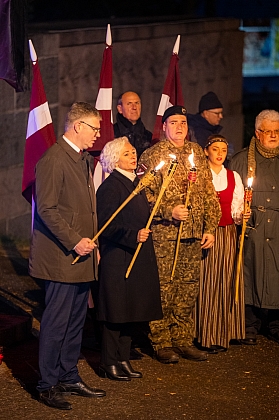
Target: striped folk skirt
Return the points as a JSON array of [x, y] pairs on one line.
[[219, 318]]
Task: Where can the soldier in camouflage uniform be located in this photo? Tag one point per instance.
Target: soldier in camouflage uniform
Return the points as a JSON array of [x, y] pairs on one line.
[[173, 335]]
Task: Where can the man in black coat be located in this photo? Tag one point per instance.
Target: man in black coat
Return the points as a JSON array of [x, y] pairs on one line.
[[129, 123], [206, 122]]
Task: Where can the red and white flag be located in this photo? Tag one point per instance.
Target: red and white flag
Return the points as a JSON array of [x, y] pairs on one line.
[[104, 105], [40, 133], [172, 92]]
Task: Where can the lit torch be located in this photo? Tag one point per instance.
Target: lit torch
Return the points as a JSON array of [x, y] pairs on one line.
[[167, 180], [248, 192], [144, 182], [192, 176]]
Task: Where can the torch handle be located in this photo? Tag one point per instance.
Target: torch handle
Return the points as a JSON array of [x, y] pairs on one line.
[[239, 261], [132, 195], [180, 232], [156, 205]]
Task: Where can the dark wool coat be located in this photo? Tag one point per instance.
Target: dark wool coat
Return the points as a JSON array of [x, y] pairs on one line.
[[261, 245], [200, 129], [137, 134], [65, 212], [136, 299]]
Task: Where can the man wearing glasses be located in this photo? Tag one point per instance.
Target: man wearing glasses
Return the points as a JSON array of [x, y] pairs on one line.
[[261, 247], [207, 121], [64, 222]]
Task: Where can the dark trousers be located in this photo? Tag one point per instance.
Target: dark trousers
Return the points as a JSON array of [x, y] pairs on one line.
[[116, 343], [254, 319], [61, 332]]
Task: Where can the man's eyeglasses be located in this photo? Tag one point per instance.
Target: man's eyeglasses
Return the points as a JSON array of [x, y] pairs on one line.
[[216, 113], [269, 132], [97, 130]]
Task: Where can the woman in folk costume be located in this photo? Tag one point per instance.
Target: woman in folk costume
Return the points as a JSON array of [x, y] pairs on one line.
[[220, 319]]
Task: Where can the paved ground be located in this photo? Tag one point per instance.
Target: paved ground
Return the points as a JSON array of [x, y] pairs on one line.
[[239, 384]]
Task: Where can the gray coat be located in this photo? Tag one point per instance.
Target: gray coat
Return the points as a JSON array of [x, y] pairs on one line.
[[261, 246], [65, 212]]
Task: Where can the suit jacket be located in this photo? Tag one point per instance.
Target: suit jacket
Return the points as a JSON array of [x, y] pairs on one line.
[[137, 298], [65, 212]]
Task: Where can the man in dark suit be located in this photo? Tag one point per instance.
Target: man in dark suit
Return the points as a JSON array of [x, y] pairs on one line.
[[129, 124], [64, 221]]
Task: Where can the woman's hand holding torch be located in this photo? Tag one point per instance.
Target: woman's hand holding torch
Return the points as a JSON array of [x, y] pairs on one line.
[[164, 186], [144, 181]]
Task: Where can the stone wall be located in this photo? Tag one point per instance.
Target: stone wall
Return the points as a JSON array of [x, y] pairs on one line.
[[70, 61]]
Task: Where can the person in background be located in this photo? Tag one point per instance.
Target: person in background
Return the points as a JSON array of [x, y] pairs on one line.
[[207, 121], [261, 257], [129, 123], [173, 336], [220, 319], [64, 222], [124, 302]]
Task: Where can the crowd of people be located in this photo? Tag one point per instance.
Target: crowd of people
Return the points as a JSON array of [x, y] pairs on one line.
[[178, 235]]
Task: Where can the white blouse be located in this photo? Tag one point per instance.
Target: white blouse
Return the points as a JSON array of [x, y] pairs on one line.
[[220, 182]]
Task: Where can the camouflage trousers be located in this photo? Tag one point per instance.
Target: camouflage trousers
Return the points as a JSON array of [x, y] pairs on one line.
[[179, 295]]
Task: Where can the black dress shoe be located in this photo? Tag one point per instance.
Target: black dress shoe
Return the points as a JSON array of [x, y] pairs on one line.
[[128, 369], [113, 372], [80, 388], [209, 350], [217, 348], [53, 398], [167, 355], [191, 353], [249, 341]]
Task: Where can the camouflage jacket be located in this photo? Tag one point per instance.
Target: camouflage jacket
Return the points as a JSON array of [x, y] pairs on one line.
[[204, 208]]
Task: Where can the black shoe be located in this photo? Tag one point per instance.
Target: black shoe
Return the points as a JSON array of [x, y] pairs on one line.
[[128, 369], [209, 350], [274, 337], [80, 388], [191, 353], [249, 340], [113, 372], [217, 348], [167, 355], [53, 398]]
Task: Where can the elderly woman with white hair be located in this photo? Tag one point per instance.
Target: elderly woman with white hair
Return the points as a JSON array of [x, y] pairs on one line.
[[123, 302]]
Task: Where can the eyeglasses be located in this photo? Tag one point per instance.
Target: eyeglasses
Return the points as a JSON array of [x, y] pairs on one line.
[[269, 132], [216, 113], [97, 130]]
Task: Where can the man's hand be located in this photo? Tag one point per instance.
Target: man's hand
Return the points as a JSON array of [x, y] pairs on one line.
[[143, 235], [84, 247], [180, 212], [207, 241]]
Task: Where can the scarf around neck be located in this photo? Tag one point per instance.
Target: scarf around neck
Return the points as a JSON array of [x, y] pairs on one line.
[[263, 151]]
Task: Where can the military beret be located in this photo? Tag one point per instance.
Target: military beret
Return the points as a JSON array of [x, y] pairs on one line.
[[174, 110]]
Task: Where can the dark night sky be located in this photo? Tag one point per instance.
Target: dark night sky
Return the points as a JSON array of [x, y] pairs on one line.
[[54, 10]]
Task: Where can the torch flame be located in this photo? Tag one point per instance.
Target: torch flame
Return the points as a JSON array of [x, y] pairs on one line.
[[191, 159], [250, 181], [161, 164]]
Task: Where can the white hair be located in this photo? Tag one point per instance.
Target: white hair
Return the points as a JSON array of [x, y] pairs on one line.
[[111, 153], [266, 114]]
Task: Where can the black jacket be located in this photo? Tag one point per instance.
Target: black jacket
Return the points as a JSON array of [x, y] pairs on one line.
[[136, 299], [200, 129], [137, 134]]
